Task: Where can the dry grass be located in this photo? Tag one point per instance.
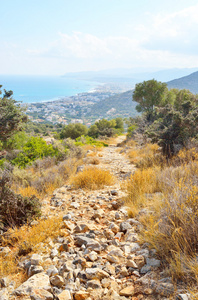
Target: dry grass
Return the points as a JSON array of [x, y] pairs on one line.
[[185, 156], [27, 239], [93, 161], [42, 182], [92, 178], [146, 157], [28, 191], [172, 227], [92, 154], [140, 183]]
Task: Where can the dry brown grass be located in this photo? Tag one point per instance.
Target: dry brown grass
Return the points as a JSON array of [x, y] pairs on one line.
[[146, 157], [24, 240], [42, 182], [92, 154], [172, 227], [140, 183], [92, 178], [93, 161], [28, 191]]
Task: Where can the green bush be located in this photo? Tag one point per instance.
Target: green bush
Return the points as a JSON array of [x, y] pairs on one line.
[[73, 131], [17, 141], [87, 140], [106, 128], [34, 149]]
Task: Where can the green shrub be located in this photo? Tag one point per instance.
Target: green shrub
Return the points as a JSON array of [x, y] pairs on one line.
[[34, 149], [18, 140], [106, 128], [87, 140], [73, 131]]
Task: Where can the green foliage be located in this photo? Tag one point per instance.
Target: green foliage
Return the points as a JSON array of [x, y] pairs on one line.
[[93, 131], [119, 124], [42, 129], [106, 128], [2, 162], [16, 210], [130, 130], [73, 131], [172, 116], [11, 115], [174, 127], [86, 140], [17, 141], [35, 148], [149, 94]]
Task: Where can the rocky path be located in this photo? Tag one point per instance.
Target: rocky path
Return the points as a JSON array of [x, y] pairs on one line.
[[100, 257]]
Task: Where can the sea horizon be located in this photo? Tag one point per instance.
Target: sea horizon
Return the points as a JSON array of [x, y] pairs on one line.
[[44, 88]]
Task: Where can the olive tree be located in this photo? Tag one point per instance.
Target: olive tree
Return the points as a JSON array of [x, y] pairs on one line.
[[11, 115]]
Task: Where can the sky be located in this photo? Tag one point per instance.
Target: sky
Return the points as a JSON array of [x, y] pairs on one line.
[[48, 37]]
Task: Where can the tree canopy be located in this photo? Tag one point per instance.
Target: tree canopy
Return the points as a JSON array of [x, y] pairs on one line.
[[73, 131], [149, 94], [172, 116], [11, 115]]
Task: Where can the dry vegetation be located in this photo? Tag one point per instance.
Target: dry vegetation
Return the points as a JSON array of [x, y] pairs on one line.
[[147, 156], [92, 178], [44, 177], [24, 240], [169, 192]]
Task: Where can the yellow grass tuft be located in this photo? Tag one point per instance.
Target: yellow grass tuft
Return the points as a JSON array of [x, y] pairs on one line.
[[27, 239], [141, 182], [93, 161], [172, 229], [146, 157], [28, 191], [92, 178]]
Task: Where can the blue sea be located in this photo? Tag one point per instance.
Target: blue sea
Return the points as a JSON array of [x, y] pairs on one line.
[[28, 89]]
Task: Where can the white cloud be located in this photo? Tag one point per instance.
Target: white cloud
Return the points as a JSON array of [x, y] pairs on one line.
[[176, 32], [91, 52], [163, 41]]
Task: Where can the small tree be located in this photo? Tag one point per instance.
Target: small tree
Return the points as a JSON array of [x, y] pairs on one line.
[[11, 115], [149, 94], [93, 131], [73, 131], [174, 127], [119, 125]]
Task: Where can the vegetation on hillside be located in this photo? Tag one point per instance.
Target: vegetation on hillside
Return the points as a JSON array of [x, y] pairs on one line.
[[186, 82], [11, 115], [163, 192]]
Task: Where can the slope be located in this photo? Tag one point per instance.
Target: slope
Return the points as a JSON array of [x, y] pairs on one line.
[[189, 82], [119, 105]]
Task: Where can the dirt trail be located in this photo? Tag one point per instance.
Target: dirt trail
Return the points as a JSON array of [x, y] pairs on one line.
[[100, 257], [115, 161]]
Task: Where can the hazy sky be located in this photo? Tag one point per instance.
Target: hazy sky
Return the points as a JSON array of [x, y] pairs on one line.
[[59, 36]]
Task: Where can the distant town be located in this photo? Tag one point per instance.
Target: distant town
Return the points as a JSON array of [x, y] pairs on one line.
[[74, 109]]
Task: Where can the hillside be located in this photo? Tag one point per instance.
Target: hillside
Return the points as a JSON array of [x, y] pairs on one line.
[[119, 105], [189, 82]]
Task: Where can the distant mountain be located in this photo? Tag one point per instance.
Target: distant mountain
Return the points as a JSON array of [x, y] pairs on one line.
[[189, 82], [131, 76], [119, 105]]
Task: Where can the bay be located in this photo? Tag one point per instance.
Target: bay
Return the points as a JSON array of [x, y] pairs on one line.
[[29, 89]]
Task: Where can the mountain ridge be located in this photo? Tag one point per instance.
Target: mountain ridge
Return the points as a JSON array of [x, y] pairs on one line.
[[189, 82]]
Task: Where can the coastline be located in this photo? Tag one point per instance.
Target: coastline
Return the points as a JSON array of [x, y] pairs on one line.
[[40, 89]]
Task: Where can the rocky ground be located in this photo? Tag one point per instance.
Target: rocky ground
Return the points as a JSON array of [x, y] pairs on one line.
[[100, 257]]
